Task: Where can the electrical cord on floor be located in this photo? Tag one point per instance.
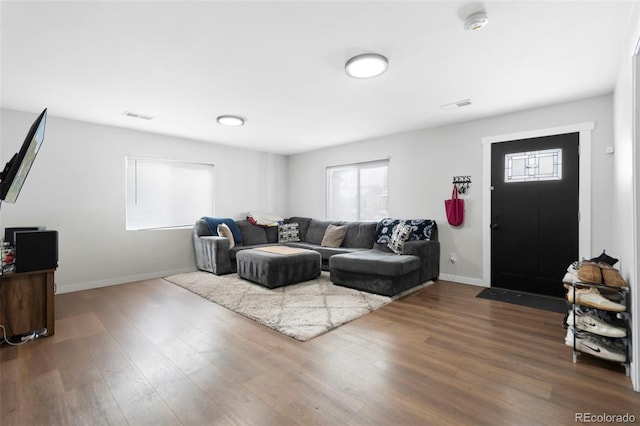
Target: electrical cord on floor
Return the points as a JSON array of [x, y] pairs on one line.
[[23, 339], [5, 339]]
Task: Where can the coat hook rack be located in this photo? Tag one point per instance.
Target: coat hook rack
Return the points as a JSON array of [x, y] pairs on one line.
[[462, 183]]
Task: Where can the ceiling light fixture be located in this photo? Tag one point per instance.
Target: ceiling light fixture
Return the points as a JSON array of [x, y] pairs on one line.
[[476, 21], [230, 120], [367, 65], [457, 104]]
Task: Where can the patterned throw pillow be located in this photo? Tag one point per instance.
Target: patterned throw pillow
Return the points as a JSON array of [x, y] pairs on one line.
[[421, 229], [385, 229], [399, 235], [288, 232]]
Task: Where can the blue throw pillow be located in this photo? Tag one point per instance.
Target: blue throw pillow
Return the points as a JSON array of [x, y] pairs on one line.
[[213, 222]]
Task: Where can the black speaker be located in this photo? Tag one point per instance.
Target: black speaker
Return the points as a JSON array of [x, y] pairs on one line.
[[36, 250], [9, 233]]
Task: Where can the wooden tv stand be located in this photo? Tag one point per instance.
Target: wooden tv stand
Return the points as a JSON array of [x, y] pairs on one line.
[[26, 302]]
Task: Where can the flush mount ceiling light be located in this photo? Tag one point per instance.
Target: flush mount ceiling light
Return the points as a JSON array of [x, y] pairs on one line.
[[230, 120], [367, 65], [476, 21]]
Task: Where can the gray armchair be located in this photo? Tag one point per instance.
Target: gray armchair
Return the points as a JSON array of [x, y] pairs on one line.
[[212, 253]]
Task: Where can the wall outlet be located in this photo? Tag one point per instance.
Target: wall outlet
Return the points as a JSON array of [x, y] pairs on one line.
[[453, 258]]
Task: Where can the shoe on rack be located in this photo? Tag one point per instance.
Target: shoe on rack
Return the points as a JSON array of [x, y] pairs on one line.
[[592, 298], [614, 296], [607, 292], [605, 258], [611, 276], [593, 322], [600, 347], [570, 277], [589, 272], [573, 268]]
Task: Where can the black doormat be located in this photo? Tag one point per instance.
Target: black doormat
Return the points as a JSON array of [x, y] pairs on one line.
[[547, 303]]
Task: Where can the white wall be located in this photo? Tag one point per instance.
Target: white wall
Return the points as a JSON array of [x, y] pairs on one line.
[[77, 187], [627, 179], [424, 162]]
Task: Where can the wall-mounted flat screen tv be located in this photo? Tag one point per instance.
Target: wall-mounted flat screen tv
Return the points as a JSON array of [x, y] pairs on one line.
[[17, 168]]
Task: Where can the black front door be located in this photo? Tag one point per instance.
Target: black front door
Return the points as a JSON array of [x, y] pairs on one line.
[[534, 212]]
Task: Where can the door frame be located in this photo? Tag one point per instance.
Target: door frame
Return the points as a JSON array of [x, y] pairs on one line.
[[634, 273], [584, 187]]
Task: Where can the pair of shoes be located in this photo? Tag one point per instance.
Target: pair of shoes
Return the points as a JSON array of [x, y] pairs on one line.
[[598, 273], [592, 298], [589, 272], [601, 347], [593, 321]]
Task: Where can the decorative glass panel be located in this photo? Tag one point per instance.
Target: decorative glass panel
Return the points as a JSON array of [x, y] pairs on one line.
[[533, 166]]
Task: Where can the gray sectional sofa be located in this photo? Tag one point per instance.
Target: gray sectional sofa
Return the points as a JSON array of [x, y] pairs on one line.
[[362, 261]]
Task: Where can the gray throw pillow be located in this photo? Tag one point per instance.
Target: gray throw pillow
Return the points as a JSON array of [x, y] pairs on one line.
[[333, 236]]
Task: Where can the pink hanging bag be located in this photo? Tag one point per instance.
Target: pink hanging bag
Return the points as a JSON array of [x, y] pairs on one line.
[[454, 208]]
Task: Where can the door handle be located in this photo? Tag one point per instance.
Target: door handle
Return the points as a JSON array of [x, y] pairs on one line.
[[494, 226]]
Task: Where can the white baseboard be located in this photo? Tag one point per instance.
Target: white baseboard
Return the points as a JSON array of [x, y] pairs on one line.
[[463, 280], [69, 288], [88, 285]]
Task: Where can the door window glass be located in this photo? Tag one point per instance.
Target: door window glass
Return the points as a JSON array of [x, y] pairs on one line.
[[533, 166]]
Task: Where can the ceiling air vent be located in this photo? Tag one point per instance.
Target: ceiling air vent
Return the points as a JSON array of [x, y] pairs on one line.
[[457, 104], [136, 115]]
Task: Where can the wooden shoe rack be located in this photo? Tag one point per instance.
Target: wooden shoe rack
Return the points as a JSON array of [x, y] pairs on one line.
[[623, 292]]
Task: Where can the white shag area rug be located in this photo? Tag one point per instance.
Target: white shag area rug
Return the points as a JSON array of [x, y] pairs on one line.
[[302, 311]]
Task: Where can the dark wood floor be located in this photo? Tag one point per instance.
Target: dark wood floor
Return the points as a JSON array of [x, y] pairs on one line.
[[153, 353]]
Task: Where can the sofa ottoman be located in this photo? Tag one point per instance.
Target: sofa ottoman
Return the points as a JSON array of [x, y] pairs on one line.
[[375, 271], [278, 266]]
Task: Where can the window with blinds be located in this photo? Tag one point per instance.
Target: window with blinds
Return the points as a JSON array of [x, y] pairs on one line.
[[167, 194]]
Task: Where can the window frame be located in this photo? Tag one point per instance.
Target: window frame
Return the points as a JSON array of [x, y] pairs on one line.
[[133, 187], [358, 167]]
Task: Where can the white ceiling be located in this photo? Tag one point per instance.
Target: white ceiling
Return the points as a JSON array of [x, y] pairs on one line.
[[281, 64]]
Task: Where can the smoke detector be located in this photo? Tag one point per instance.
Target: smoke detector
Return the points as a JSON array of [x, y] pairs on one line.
[[476, 21]]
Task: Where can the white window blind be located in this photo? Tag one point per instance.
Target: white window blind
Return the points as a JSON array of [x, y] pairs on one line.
[[358, 191], [167, 194]]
